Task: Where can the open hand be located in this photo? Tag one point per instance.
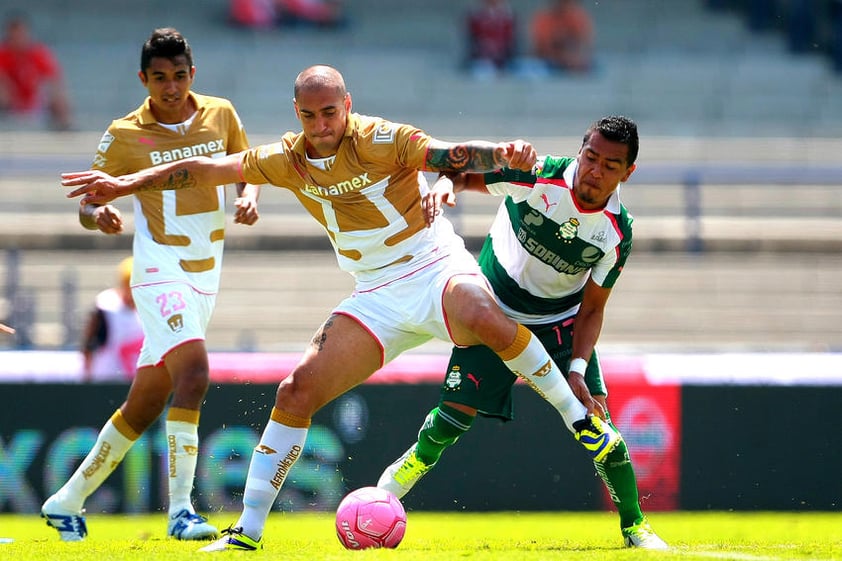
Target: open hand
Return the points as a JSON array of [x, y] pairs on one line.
[[94, 186]]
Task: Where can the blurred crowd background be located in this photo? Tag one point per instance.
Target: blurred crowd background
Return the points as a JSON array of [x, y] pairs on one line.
[[737, 198]]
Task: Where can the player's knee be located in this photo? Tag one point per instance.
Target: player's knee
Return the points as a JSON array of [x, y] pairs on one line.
[[192, 384], [297, 395]]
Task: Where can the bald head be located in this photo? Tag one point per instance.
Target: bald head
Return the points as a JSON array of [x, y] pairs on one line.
[[319, 78]]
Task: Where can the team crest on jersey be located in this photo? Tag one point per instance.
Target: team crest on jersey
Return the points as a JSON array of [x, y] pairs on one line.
[[105, 142], [176, 323], [384, 134], [568, 230], [454, 378]]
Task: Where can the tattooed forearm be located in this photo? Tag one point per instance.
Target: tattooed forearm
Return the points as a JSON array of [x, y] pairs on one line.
[[467, 157], [180, 178]]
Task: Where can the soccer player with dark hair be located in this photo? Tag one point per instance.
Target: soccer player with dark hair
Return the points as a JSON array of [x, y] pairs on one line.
[[177, 260], [557, 246]]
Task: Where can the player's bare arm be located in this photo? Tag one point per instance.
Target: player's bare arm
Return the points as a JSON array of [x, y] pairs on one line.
[[97, 187], [476, 155], [588, 326]]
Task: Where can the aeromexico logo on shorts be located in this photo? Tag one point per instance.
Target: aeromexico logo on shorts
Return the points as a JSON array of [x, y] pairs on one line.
[[176, 322]]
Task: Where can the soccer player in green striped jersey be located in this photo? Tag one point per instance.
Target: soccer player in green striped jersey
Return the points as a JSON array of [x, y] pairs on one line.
[[554, 252]]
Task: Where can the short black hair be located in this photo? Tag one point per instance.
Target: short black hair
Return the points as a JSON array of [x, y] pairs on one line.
[[617, 129], [166, 42]]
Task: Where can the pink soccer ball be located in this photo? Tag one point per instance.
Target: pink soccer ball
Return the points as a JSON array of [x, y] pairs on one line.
[[370, 517]]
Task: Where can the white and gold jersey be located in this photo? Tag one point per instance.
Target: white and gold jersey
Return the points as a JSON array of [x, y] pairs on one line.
[[367, 197], [178, 234]]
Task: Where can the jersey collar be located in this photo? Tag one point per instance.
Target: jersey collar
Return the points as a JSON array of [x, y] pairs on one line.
[[148, 118]]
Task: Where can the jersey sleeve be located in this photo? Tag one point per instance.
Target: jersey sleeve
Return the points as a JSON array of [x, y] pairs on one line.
[[509, 182], [606, 272], [237, 138], [383, 142], [267, 163], [111, 153]]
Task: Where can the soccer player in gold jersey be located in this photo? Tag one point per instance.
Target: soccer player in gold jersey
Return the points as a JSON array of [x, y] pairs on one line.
[[177, 252], [358, 176]]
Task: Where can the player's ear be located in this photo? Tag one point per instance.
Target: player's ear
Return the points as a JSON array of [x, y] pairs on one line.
[[348, 103], [628, 173], [143, 79]]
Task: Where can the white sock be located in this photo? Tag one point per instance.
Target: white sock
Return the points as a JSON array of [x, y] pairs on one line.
[[107, 453], [535, 366], [182, 455], [278, 449]]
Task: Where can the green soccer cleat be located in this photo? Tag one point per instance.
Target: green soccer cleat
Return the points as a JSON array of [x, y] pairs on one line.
[[597, 436], [402, 475], [643, 536], [233, 539]]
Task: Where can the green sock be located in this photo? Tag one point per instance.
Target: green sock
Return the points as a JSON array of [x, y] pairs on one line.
[[442, 427], [618, 475]]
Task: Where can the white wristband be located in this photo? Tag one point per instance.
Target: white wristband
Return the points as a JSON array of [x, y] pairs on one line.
[[579, 365]]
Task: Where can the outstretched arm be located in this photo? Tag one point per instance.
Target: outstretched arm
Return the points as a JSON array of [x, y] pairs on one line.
[[479, 156], [97, 187]]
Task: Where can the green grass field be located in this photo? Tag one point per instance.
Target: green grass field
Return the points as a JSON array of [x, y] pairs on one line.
[[449, 537]]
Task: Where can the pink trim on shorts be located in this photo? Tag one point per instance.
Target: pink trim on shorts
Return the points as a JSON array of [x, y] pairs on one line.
[[168, 351], [369, 331], [191, 286], [409, 274]]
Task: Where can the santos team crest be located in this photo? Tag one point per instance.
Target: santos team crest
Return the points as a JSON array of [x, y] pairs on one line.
[[568, 230], [454, 378]]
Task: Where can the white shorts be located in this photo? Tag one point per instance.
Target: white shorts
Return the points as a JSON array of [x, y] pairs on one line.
[[408, 312], [172, 313]]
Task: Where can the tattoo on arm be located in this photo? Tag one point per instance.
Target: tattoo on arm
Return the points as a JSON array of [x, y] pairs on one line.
[[466, 157], [179, 178]]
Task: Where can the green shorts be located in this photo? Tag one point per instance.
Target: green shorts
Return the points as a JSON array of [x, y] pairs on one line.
[[476, 376]]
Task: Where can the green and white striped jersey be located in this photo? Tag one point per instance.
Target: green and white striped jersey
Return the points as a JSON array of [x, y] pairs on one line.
[[542, 247]]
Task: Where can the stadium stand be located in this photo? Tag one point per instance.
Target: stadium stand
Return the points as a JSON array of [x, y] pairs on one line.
[[703, 88]]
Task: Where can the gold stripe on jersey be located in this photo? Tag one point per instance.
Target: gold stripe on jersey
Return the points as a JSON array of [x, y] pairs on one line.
[[197, 265]]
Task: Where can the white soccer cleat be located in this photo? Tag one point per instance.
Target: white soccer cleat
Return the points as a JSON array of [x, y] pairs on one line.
[[643, 536], [186, 525], [70, 525], [404, 473]]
